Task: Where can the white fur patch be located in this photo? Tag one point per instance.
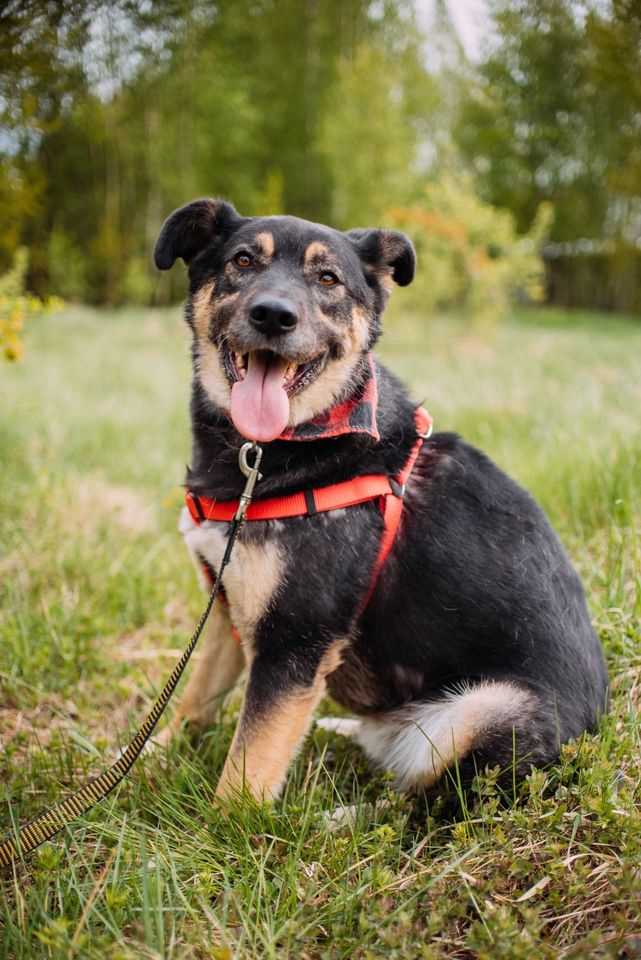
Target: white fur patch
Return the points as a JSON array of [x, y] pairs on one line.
[[251, 578], [344, 726], [420, 741]]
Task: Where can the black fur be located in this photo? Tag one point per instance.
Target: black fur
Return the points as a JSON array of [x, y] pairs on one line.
[[478, 586], [191, 228], [389, 247]]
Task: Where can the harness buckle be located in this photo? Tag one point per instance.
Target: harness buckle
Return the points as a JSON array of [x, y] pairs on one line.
[[428, 433], [398, 489]]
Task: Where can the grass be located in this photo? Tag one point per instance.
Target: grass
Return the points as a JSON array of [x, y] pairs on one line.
[[97, 598]]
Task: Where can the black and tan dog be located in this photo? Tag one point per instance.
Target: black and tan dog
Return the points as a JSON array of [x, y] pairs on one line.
[[476, 647]]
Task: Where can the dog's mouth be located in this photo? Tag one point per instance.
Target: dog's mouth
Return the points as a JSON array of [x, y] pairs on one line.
[[262, 384]]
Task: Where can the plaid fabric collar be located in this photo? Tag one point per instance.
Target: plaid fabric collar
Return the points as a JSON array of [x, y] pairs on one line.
[[356, 414]]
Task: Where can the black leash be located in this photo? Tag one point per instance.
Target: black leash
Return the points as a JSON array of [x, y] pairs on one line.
[[53, 819]]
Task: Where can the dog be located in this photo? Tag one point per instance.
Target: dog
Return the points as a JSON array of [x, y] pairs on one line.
[[473, 646]]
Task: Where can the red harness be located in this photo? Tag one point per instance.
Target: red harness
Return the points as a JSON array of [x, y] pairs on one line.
[[388, 491]]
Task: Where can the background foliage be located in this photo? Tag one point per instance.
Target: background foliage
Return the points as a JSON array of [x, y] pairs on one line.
[[345, 111], [17, 306]]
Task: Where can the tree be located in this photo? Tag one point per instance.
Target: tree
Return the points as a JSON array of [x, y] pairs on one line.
[[116, 113], [555, 114], [613, 43]]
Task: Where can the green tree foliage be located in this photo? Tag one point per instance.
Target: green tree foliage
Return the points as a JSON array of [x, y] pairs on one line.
[[112, 114], [470, 253], [160, 103], [40, 75], [371, 132], [555, 115], [614, 47]]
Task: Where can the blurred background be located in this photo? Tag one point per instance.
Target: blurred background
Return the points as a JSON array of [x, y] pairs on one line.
[[504, 136]]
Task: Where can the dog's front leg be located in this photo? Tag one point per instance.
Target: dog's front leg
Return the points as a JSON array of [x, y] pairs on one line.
[[275, 716], [217, 668]]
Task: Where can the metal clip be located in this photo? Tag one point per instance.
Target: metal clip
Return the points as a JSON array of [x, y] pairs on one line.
[[428, 432], [251, 472]]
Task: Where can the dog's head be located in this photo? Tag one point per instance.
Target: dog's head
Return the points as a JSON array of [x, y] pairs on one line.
[[282, 310]]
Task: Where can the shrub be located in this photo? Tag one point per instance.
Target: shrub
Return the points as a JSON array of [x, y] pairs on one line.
[[470, 256], [16, 306]]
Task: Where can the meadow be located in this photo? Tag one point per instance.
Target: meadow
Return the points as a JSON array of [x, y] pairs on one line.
[[97, 598]]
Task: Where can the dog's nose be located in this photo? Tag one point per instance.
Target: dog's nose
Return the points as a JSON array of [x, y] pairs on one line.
[[273, 317]]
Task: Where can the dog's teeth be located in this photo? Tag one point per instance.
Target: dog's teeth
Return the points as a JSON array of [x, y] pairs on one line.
[[241, 365], [291, 371]]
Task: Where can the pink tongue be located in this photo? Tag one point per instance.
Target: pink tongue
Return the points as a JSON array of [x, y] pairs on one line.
[[259, 404]]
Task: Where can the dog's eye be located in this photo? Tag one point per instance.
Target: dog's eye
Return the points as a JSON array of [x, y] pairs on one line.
[[328, 279], [243, 260]]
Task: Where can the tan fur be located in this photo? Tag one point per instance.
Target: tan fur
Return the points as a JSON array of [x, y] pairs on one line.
[[202, 309], [360, 329], [251, 579], [211, 373], [263, 747], [317, 250], [384, 277], [318, 396], [209, 366], [265, 240], [421, 741], [214, 674], [321, 394]]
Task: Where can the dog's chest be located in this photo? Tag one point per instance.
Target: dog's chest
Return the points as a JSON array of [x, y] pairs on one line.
[[252, 577]]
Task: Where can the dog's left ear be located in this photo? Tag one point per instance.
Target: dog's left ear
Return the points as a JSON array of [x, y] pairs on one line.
[[386, 252], [193, 227]]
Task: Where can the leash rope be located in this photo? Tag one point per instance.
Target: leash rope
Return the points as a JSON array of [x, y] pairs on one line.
[[52, 820]]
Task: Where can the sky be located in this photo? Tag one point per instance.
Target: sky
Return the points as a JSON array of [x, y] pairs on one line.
[[470, 17]]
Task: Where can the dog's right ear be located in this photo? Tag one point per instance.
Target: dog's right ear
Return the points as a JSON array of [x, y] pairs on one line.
[[193, 227], [387, 253]]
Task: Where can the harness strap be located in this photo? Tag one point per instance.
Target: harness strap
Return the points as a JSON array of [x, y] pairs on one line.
[[388, 490], [308, 502], [392, 505]]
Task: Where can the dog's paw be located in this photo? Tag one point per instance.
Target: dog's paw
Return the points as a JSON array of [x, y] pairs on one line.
[[345, 726], [349, 816]]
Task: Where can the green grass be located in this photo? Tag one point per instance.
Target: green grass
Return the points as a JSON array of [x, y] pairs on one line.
[[97, 596]]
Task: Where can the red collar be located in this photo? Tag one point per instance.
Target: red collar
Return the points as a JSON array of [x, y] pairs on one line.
[[388, 490], [333, 497], [356, 414]]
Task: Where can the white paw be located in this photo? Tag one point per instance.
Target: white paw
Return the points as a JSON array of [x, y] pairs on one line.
[[341, 817], [345, 726], [348, 816]]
